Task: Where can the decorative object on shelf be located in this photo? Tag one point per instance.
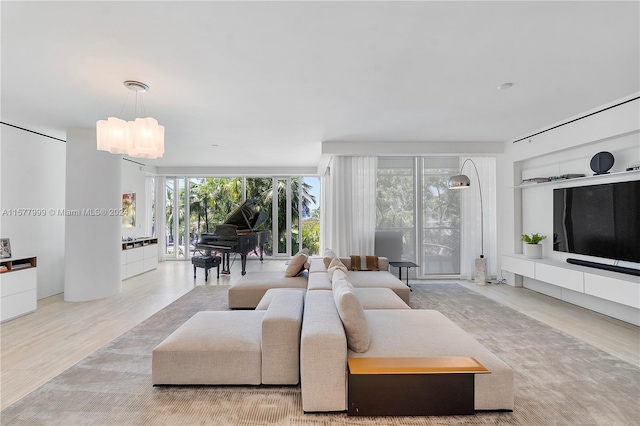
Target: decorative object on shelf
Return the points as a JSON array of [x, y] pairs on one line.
[[533, 181], [531, 247], [129, 210], [565, 176], [5, 248], [462, 181], [143, 137], [602, 162], [634, 165]]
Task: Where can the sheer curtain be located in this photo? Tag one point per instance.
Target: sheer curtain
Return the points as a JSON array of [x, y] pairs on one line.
[[470, 236], [349, 206], [161, 222]]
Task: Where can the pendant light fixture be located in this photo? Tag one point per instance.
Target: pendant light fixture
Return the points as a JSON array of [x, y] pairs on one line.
[[141, 138]]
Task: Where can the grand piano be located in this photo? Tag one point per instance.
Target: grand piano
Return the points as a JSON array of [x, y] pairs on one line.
[[237, 234]]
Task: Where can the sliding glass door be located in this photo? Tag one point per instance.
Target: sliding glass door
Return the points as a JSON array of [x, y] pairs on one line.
[[413, 200]]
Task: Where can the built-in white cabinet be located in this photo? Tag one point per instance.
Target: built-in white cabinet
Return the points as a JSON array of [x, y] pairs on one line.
[[18, 287], [138, 256], [607, 285]]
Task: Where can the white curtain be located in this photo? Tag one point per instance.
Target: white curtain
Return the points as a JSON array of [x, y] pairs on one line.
[[349, 206], [161, 231], [470, 235]]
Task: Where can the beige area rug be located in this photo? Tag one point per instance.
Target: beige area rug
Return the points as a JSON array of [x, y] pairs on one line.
[[559, 380]]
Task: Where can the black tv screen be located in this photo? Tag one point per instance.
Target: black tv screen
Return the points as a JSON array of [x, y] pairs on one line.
[[598, 220]]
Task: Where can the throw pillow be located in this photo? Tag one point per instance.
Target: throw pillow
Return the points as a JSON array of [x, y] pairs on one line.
[[352, 316], [296, 265], [334, 265], [364, 263], [328, 256], [304, 250]]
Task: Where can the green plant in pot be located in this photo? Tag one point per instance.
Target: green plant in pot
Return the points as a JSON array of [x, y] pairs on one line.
[[532, 247]]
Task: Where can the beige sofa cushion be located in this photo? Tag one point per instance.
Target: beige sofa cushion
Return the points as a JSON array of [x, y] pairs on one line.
[[269, 295], [211, 348], [319, 281], [379, 298], [352, 315], [281, 327], [296, 265], [428, 333], [316, 264], [334, 265], [328, 256], [247, 292]]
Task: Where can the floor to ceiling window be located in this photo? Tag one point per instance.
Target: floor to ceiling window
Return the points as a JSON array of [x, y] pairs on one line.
[[395, 201], [291, 210], [440, 217], [413, 200]]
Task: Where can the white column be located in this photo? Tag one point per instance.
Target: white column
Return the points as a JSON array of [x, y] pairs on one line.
[[92, 232]]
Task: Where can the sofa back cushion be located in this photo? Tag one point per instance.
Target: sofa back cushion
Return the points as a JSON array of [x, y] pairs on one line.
[[335, 265], [296, 265], [352, 315], [280, 343], [328, 256]]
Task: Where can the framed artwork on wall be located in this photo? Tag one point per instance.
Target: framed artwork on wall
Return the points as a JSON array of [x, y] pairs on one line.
[[129, 210], [5, 248]]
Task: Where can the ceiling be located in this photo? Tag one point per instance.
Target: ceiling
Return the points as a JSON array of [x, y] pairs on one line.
[[268, 82]]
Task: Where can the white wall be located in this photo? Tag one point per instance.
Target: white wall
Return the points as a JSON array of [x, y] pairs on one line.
[[134, 181], [567, 149], [92, 242], [32, 175]]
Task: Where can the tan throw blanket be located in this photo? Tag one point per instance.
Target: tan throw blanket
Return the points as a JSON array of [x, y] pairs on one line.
[[364, 263]]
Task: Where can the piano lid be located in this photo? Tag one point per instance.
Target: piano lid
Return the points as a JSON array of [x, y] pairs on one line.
[[245, 216]]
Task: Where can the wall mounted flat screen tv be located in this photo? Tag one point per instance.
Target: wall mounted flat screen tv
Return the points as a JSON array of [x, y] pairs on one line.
[[598, 220]]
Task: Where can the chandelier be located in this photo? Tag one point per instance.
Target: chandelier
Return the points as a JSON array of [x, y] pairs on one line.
[[141, 138]]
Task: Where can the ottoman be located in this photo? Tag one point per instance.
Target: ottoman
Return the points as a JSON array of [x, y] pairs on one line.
[[211, 348]]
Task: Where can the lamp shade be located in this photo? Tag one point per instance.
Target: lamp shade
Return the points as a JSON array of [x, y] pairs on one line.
[[142, 138], [147, 138], [112, 135], [459, 181]]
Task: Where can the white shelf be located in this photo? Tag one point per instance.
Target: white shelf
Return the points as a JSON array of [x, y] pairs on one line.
[[138, 256], [604, 284], [578, 179], [18, 287]]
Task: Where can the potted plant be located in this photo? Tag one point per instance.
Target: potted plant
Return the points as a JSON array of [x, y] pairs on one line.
[[532, 248]]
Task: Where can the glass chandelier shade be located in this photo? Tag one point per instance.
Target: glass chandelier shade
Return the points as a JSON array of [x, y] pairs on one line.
[[141, 138]]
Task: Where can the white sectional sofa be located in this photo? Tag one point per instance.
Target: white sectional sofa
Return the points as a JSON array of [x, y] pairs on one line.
[[306, 336], [325, 348], [247, 292]]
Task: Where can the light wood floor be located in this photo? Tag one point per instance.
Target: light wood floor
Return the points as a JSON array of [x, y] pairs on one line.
[[39, 346]]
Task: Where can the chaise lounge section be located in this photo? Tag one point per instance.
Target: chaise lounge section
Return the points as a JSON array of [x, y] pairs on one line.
[[235, 347], [326, 345]]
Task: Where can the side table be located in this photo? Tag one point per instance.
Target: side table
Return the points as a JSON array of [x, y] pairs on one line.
[[401, 265], [439, 386]]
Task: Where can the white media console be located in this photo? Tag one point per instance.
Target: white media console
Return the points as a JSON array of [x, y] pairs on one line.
[[605, 285]]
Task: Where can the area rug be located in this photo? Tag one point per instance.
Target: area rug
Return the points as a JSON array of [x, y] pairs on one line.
[[559, 379]]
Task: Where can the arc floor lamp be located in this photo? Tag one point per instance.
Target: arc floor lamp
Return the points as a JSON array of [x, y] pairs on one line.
[[462, 182]]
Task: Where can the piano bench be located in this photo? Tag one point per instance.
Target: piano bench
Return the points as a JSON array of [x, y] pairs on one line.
[[206, 262]]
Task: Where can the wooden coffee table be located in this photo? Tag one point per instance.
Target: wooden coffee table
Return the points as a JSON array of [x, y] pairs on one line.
[[431, 386]]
